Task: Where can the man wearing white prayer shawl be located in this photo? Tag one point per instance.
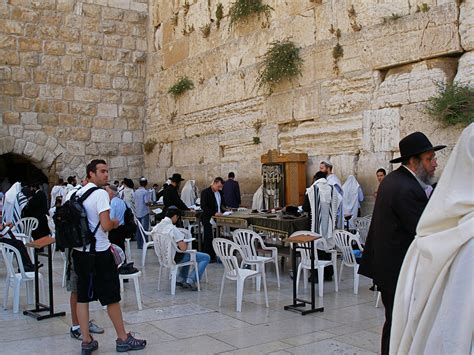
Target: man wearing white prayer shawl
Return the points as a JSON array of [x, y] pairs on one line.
[[326, 167], [189, 193], [13, 204], [352, 198], [257, 200], [434, 310], [322, 201]]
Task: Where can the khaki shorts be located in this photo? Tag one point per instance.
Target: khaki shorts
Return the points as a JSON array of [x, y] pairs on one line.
[[71, 277]]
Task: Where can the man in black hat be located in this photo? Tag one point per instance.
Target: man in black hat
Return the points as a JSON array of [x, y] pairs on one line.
[[401, 198], [171, 195]]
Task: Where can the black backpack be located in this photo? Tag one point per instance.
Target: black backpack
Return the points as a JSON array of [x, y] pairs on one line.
[[72, 227], [130, 227]]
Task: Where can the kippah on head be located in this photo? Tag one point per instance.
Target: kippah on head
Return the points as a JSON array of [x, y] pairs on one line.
[[173, 211], [327, 163]]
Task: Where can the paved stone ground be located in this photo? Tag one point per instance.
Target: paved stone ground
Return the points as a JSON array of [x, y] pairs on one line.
[[193, 323]]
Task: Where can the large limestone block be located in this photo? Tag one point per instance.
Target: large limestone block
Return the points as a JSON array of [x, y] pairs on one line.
[[346, 95], [412, 83], [322, 137], [414, 37], [183, 154], [466, 24], [381, 130], [465, 73]]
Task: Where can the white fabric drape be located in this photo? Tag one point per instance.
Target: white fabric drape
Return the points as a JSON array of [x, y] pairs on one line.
[[333, 180], [352, 198], [324, 201], [433, 310], [189, 193], [257, 200], [13, 204]]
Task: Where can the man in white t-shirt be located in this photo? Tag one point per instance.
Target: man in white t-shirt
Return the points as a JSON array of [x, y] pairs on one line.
[[97, 275]]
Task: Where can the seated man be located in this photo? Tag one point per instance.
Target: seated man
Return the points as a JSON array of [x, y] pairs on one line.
[[167, 227], [7, 237]]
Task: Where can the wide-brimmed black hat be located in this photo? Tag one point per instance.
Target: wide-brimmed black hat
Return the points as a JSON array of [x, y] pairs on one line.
[[176, 177], [414, 144]]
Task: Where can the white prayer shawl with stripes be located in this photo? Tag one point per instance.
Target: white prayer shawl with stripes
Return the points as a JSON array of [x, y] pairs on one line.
[[324, 201], [14, 202], [333, 180]]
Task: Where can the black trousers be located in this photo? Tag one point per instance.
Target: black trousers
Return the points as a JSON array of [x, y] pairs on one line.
[[208, 237], [18, 245], [387, 299]]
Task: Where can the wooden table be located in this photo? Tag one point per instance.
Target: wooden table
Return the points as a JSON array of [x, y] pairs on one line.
[[303, 242], [45, 242]]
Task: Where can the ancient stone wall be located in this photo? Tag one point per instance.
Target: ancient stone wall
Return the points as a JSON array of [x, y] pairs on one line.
[[394, 55], [72, 83]]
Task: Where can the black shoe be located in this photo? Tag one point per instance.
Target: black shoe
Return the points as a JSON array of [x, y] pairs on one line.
[[179, 283], [212, 261], [88, 348], [191, 287]]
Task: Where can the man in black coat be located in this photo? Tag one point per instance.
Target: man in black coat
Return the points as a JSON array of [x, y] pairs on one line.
[[212, 204], [171, 196], [401, 198], [37, 207], [231, 192]]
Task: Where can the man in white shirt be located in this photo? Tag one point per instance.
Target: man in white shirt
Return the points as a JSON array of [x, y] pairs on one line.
[[58, 190], [167, 229], [95, 268]]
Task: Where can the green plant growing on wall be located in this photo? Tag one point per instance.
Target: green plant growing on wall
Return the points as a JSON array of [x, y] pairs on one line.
[[242, 9], [351, 12], [206, 30], [256, 140], [337, 53], [181, 86], [423, 7], [186, 7], [281, 62], [219, 14], [453, 104], [392, 17], [149, 145], [188, 30], [174, 19]]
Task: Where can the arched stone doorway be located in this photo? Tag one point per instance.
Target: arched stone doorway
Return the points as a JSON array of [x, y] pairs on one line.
[[45, 154], [15, 167]]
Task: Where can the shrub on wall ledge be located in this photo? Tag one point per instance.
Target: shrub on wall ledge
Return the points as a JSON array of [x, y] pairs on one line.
[[453, 104], [149, 145], [281, 62], [182, 85], [242, 9]]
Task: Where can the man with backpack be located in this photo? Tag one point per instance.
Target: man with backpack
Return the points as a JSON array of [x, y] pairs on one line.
[[97, 275]]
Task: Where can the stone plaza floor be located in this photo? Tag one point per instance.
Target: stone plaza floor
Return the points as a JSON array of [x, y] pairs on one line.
[[193, 323]]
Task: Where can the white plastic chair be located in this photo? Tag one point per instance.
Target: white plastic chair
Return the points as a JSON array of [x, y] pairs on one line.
[[64, 256], [146, 244], [362, 224], [165, 249], [136, 281], [305, 263], [52, 229], [344, 242], [249, 241], [128, 250], [23, 229], [225, 250], [15, 279]]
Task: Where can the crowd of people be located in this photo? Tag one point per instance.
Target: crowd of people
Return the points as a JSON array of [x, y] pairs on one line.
[[408, 204]]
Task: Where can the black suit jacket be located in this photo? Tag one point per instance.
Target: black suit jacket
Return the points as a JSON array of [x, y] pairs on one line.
[[209, 203], [171, 198], [398, 208]]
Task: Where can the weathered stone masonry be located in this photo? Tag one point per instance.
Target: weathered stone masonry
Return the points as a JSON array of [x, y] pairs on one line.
[[87, 78], [390, 67], [72, 83]]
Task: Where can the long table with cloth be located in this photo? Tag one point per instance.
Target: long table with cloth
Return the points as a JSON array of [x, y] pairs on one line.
[[275, 226]]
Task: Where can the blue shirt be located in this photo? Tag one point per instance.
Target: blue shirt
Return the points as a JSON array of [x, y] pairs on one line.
[[117, 210], [142, 197]]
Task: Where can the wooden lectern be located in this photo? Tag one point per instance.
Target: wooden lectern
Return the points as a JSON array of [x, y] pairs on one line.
[[293, 169]]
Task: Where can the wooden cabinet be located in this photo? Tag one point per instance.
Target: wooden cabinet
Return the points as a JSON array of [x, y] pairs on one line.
[[291, 186]]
